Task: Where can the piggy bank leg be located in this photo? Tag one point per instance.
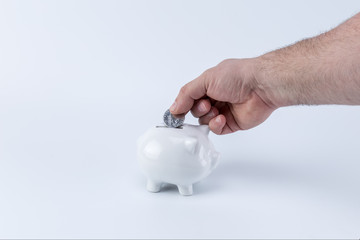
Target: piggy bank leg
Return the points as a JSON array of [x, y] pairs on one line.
[[185, 190], [153, 186]]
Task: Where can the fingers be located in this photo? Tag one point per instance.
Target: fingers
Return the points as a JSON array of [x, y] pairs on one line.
[[217, 124], [205, 119], [192, 91], [201, 108]]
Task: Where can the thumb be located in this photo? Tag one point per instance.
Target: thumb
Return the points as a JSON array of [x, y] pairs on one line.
[[190, 92]]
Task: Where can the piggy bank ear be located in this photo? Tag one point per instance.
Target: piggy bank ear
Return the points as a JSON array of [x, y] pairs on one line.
[[191, 144]]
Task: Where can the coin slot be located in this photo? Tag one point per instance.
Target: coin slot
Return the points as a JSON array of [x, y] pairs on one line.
[[169, 127]]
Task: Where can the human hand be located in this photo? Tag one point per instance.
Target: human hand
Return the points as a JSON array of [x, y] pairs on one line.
[[227, 97], [239, 94]]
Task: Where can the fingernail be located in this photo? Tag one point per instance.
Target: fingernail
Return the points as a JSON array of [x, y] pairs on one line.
[[218, 119], [173, 107], [202, 107]]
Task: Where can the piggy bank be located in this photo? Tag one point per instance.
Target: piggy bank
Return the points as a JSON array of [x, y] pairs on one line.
[[180, 156]]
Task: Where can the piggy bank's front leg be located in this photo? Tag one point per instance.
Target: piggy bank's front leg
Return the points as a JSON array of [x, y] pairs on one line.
[[185, 190], [153, 186]]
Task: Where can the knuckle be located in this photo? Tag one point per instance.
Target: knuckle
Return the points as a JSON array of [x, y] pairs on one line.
[[226, 61], [209, 72], [183, 90]]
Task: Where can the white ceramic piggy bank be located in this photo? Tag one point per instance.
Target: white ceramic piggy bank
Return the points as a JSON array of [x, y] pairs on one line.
[[180, 156]]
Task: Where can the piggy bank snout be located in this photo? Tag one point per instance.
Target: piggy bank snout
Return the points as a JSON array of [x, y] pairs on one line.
[[214, 157]]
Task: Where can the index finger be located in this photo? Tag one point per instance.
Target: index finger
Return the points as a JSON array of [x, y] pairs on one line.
[[190, 92]]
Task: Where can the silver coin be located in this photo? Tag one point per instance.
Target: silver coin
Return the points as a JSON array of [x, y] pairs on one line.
[[172, 121]]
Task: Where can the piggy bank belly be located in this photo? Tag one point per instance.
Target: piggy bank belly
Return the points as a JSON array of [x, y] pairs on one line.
[[175, 168]]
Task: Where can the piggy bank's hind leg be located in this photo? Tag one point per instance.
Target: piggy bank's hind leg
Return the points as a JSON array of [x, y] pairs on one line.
[[185, 190], [153, 186]]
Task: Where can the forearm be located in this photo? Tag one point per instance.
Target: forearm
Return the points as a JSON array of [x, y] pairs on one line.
[[319, 70]]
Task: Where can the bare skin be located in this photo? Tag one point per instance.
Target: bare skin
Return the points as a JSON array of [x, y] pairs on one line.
[[239, 94]]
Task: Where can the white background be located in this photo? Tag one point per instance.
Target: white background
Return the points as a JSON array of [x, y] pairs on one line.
[[81, 80]]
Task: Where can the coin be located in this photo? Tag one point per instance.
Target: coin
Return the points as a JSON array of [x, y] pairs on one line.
[[172, 121]]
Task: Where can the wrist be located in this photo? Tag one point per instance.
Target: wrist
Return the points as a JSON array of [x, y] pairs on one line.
[[267, 83]]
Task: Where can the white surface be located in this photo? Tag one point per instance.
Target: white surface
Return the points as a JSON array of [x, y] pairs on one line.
[[81, 80]]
